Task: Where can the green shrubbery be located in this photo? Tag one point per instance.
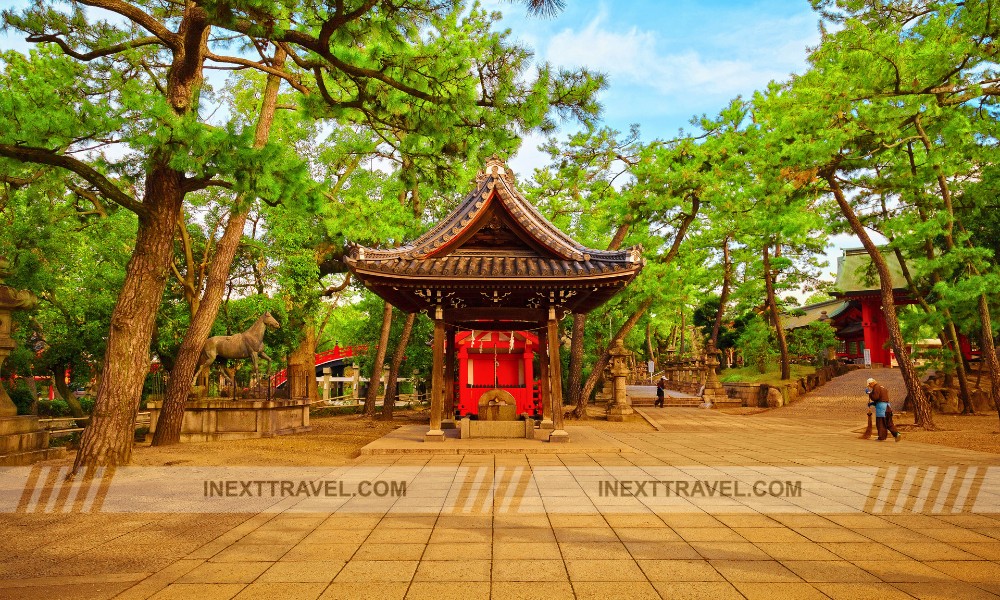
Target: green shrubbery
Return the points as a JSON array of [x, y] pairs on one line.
[[757, 344]]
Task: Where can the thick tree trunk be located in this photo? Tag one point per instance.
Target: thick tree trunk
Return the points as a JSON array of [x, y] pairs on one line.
[[576, 365], [380, 350], [168, 427], [922, 413], [772, 303], [389, 403], [989, 351], [727, 275], [302, 366], [109, 438]]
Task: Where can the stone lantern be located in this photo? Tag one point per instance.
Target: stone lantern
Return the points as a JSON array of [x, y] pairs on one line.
[[620, 407], [714, 390], [22, 440]]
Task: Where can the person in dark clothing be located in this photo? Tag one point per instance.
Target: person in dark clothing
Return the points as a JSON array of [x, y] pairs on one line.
[[660, 387], [878, 397]]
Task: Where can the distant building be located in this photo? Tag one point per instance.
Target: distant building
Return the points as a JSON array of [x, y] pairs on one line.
[[856, 313]]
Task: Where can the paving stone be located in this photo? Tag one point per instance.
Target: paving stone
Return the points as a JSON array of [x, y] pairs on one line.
[[585, 534], [854, 591], [377, 551], [903, 571], [201, 591], [311, 552], [453, 570], [604, 570], [785, 591], [729, 551], [662, 551], [946, 591], [517, 550], [377, 571], [238, 572], [972, 571], [647, 534], [529, 570], [754, 570], [451, 590], [536, 590], [594, 550], [451, 551], [679, 570], [832, 571], [302, 572], [603, 590], [525, 535], [374, 590], [281, 591]]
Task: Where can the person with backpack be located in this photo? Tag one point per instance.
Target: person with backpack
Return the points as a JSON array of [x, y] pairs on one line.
[[878, 397], [660, 386]]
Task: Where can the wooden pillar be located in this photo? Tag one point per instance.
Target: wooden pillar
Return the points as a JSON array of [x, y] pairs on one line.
[[448, 419], [543, 381], [436, 434], [555, 376], [529, 376]]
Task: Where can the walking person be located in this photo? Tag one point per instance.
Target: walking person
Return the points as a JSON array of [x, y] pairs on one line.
[[878, 397], [661, 385]]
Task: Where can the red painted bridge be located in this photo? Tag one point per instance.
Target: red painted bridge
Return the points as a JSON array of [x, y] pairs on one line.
[[322, 358]]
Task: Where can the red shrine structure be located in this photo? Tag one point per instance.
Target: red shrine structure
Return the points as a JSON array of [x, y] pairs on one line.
[[857, 315], [495, 264], [503, 360]]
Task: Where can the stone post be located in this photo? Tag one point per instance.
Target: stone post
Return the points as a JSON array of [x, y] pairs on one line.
[[327, 383], [620, 406]]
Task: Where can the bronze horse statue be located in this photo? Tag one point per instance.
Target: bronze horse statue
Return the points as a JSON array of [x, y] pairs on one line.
[[249, 344]]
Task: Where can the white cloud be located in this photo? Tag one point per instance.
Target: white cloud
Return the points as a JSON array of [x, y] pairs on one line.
[[723, 66]]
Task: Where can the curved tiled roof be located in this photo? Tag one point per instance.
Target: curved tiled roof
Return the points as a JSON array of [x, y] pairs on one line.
[[551, 252]]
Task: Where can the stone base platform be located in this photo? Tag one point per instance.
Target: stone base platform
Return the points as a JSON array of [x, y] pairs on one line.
[[409, 439], [215, 419], [24, 442]]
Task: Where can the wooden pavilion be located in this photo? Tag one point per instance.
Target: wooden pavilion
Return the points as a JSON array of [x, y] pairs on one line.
[[495, 263]]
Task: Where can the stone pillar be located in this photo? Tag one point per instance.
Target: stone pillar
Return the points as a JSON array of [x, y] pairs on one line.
[[448, 419], [620, 406], [436, 434], [555, 377], [545, 389], [327, 383]]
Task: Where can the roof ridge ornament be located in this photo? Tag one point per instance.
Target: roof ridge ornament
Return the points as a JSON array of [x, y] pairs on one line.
[[495, 168]]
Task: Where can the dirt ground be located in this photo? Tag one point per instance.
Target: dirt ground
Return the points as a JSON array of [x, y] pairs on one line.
[[973, 432], [336, 440]]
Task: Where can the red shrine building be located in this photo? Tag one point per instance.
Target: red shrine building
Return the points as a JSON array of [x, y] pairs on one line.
[[503, 360], [856, 313], [495, 266]]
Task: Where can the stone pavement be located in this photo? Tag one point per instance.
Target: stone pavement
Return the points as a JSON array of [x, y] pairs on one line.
[[885, 520]]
